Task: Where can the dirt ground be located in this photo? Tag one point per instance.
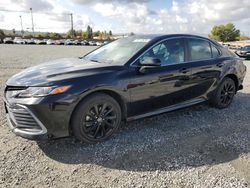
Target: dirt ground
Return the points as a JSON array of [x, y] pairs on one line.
[[195, 147]]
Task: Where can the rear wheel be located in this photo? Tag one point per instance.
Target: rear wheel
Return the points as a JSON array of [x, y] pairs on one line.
[[224, 94], [96, 118]]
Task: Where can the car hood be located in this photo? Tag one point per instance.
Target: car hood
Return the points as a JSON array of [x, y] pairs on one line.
[[57, 70]]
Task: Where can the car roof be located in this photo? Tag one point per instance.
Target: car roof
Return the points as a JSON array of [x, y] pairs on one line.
[[158, 37], [153, 36]]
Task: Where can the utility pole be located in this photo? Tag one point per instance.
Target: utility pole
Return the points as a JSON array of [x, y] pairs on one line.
[[22, 31], [32, 22], [72, 26]]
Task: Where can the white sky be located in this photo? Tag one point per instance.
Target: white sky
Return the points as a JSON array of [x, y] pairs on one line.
[[139, 16]]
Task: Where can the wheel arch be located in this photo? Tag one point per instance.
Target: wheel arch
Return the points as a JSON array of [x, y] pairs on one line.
[[234, 78], [109, 92]]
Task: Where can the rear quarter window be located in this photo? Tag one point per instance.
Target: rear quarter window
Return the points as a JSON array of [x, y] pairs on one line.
[[215, 51]]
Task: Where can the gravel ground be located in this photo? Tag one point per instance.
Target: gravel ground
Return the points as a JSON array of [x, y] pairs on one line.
[[195, 147]]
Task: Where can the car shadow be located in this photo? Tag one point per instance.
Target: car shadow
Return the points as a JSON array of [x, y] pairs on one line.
[[194, 137]]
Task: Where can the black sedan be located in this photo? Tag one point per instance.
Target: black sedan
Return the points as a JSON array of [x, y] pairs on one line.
[[130, 78], [244, 52]]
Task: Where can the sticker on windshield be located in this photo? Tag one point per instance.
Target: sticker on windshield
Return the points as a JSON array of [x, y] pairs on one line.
[[141, 40]]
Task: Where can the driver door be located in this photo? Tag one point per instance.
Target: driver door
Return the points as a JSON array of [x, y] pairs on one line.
[[160, 86]]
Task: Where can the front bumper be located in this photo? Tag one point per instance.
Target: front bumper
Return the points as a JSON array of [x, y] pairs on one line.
[[24, 123], [40, 118]]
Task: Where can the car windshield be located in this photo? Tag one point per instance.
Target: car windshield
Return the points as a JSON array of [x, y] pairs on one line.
[[246, 48], [119, 51]]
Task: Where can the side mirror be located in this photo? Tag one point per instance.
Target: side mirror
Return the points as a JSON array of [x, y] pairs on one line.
[[149, 63]]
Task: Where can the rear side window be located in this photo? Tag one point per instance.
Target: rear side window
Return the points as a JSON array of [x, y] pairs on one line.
[[215, 51], [199, 49]]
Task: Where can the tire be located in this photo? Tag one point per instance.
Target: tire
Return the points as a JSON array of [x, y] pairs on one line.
[[96, 118], [224, 94]]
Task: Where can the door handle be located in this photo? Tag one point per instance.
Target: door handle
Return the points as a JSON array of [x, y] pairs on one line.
[[184, 70], [220, 65]]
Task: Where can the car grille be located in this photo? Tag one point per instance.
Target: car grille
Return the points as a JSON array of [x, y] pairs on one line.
[[22, 120]]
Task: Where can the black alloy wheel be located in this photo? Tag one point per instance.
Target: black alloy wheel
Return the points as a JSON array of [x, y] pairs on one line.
[[225, 93], [99, 121], [97, 118]]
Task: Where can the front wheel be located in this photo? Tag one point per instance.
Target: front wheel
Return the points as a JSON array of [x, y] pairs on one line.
[[224, 94], [96, 118]]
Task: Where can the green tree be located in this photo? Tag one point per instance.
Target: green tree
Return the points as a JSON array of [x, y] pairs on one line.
[[55, 35], [79, 33], [39, 36], [71, 33], [225, 33], [29, 36], [2, 35], [96, 34], [68, 36], [14, 32], [89, 32], [84, 35], [46, 35], [110, 33]]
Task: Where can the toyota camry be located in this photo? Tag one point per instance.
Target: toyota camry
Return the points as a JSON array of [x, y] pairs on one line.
[[128, 79]]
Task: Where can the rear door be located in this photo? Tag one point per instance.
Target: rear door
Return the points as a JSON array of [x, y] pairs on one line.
[[206, 66]]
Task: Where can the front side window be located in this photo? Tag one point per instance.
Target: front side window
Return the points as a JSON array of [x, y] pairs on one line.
[[169, 52], [199, 49]]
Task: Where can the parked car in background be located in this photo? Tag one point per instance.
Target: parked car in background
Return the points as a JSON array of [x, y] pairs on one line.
[[8, 40], [69, 42], [106, 42], [128, 79], [30, 41], [99, 43], [50, 42], [41, 41], [77, 42], [18, 40], [244, 52], [59, 42], [92, 43], [85, 43]]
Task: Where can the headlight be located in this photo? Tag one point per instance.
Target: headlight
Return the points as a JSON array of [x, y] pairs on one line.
[[41, 91]]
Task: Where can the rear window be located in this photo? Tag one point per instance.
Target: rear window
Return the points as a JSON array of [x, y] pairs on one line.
[[199, 49]]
